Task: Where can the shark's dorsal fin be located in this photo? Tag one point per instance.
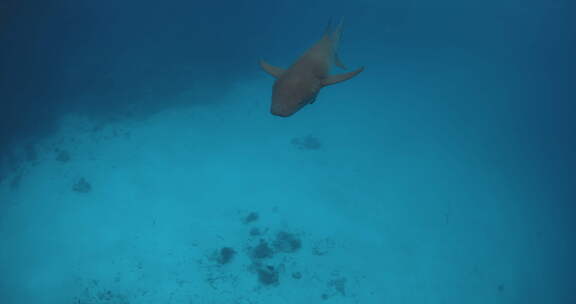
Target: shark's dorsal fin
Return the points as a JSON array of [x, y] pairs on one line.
[[270, 69], [333, 79]]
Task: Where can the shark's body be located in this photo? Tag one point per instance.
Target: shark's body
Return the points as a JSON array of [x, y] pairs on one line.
[[298, 85]]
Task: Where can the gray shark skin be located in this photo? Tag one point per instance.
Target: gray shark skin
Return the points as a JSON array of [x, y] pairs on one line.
[[299, 85]]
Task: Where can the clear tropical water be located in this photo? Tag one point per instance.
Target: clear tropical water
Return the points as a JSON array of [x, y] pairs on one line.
[[139, 162]]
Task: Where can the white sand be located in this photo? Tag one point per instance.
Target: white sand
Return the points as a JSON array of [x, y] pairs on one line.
[[168, 191]]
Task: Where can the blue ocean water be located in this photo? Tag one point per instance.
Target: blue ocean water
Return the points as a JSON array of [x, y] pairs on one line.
[[139, 161]]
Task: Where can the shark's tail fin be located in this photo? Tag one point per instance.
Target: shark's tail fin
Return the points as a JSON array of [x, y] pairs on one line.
[[328, 28], [337, 32], [334, 34]]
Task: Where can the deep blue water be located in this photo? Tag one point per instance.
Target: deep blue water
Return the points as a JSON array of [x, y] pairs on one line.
[[443, 173]]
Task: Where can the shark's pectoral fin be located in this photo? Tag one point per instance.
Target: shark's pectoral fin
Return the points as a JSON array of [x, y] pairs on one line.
[[341, 77], [313, 99], [270, 69]]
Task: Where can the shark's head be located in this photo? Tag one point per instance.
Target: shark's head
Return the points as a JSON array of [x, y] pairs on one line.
[[291, 94]]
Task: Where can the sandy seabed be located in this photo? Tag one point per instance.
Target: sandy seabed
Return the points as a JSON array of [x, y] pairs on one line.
[[227, 204]]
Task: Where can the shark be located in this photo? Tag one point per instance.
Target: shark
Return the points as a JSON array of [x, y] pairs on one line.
[[299, 84]]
